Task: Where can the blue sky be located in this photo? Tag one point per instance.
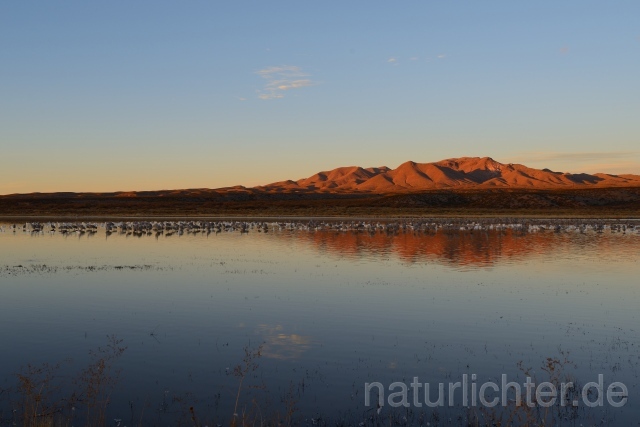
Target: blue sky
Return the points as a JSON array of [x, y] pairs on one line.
[[127, 95]]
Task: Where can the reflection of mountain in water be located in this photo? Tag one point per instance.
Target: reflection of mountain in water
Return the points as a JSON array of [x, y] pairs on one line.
[[478, 248]]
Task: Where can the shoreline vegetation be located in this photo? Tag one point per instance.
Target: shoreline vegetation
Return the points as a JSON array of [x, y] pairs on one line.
[[210, 204]]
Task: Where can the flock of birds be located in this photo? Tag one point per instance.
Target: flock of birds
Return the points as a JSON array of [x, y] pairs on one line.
[[167, 228]]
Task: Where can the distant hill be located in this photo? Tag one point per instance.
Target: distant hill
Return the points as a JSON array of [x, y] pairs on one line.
[[460, 173]]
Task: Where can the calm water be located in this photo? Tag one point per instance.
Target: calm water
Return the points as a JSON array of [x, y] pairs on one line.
[[333, 310]]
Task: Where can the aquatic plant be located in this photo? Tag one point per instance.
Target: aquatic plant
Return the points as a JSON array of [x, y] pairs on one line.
[[45, 397], [241, 372]]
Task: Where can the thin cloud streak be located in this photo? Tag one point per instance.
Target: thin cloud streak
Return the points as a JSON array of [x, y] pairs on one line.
[[619, 168], [587, 161], [539, 156], [281, 79]]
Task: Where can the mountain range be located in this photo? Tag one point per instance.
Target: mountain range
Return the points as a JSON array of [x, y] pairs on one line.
[[464, 173], [458, 173], [461, 186]]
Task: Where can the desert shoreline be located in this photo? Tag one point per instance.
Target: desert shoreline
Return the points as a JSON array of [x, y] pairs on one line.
[[267, 218], [539, 204], [614, 202]]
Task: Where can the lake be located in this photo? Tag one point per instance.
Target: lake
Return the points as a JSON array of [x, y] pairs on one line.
[[330, 308]]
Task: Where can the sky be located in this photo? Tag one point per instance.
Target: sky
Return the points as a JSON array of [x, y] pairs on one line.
[[150, 95]]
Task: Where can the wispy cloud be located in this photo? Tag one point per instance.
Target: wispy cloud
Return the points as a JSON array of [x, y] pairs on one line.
[[584, 161], [394, 60], [280, 79], [539, 156], [619, 167]]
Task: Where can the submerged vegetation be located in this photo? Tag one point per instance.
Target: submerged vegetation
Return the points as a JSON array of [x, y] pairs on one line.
[[44, 396]]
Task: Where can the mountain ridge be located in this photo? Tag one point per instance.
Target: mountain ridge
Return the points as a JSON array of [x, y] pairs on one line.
[[454, 173]]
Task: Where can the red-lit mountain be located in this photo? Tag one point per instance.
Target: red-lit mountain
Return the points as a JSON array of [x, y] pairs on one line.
[[460, 173]]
